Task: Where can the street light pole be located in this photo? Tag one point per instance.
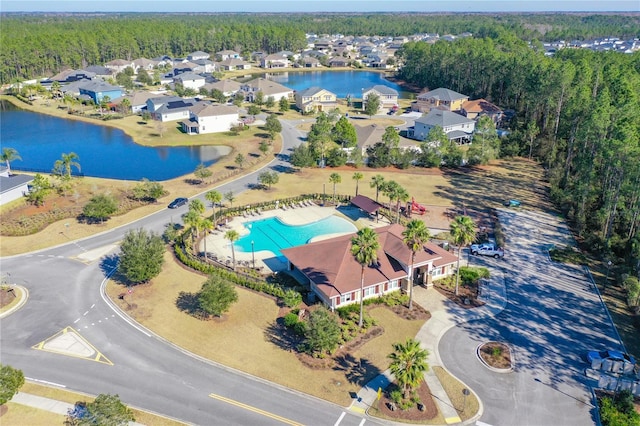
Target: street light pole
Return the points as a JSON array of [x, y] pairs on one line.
[[253, 256], [465, 392]]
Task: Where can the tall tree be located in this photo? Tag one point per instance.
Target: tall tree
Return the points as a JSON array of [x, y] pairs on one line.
[[214, 197], [344, 133], [372, 105], [334, 178], [107, 410], [283, 104], [8, 155], [230, 197], [323, 333], [357, 176], [273, 126], [463, 233], [141, 255], [408, 365], [364, 248], [377, 182], [11, 380], [216, 296], [232, 235], [415, 235]]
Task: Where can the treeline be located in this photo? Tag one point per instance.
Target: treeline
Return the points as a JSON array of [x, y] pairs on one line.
[[44, 44], [576, 112]]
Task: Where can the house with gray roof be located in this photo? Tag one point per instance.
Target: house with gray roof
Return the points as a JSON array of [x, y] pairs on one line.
[[388, 96], [169, 108], [458, 128], [205, 117], [315, 99], [190, 80], [69, 76], [440, 98], [268, 88], [227, 87], [13, 187], [98, 90], [198, 54], [119, 65], [232, 64]]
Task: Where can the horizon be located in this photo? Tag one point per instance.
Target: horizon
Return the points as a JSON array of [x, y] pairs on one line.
[[316, 6]]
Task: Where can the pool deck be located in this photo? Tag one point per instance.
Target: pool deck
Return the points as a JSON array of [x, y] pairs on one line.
[[218, 245]]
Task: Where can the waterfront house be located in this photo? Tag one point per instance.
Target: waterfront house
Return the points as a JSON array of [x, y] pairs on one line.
[[206, 117], [388, 96], [333, 274], [13, 186], [274, 61], [268, 88], [98, 90], [232, 64], [169, 108], [315, 99], [223, 55], [227, 87], [194, 56]]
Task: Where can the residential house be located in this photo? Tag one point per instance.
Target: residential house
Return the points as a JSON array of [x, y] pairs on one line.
[[315, 99], [99, 71], [119, 65], [339, 62], [232, 64], [98, 90], [323, 45], [334, 275], [204, 66], [13, 187], [479, 107], [183, 67], [137, 100], [310, 62], [371, 134], [69, 76], [73, 89], [227, 87], [206, 117], [457, 127], [194, 56], [223, 55], [388, 96], [169, 108], [189, 80], [267, 87], [440, 98], [274, 61], [144, 64]]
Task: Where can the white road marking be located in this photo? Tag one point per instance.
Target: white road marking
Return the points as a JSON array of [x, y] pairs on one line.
[[76, 320], [92, 306], [46, 382], [85, 314], [362, 422], [339, 419]]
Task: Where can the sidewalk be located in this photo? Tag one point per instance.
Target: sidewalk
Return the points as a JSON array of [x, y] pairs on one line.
[[444, 315], [48, 404]]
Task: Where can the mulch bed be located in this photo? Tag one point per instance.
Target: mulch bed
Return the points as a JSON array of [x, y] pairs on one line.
[[465, 294], [6, 296], [501, 358], [413, 414]]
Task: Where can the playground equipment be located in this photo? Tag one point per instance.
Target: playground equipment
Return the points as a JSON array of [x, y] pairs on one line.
[[414, 207]]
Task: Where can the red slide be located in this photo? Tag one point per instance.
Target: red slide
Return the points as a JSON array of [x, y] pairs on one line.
[[417, 208]]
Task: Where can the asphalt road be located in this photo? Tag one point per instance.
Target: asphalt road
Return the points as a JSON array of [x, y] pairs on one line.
[[553, 317], [147, 372]]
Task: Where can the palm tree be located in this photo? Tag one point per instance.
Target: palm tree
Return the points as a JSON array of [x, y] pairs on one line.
[[8, 155], [232, 235], [213, 197], [357, 176], [377, 182], [63, 166], [197, 206], [126, 105], [334, 178], [391, 189], [414, 236], [230, 198], [192, 218], [408, 365], [206, 225], [364, 247], [401, 196], [463, 232]]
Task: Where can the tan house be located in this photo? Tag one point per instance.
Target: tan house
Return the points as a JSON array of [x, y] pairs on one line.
[[274, 61], [478, 107], [315, 99], [440, 98], [334, 275], [268, 88], [388, 96], [232, 64], [119, 65]]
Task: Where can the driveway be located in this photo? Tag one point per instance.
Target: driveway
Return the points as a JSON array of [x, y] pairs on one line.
[[553, 317]]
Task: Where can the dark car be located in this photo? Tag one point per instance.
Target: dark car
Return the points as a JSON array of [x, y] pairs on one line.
[[178, 202]]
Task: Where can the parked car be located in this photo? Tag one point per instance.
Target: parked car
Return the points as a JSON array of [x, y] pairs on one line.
[[178, 202], [611, 355]]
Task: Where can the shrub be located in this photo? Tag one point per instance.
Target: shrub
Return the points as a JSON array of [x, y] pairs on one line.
[[290, 320], [396, 396], [292, 298], [469, 275]]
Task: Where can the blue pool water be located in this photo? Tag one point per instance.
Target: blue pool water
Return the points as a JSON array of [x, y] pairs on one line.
[[274, 235]]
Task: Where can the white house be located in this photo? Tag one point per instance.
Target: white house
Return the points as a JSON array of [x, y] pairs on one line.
[[268, 88], [457, 127], [210, 118], [13, 187], [169, 108], [274, 61], [194, 56], [190, 80]]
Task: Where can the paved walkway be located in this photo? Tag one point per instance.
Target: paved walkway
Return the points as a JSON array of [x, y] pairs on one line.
[[444, 315]]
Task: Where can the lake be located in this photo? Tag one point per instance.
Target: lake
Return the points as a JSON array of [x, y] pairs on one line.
[[105, 152], [342, 83]]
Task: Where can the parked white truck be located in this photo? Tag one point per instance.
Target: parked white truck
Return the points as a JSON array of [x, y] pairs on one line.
[[487, 249]]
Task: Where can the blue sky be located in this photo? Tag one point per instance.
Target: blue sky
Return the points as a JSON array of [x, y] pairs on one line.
[[320, 6]]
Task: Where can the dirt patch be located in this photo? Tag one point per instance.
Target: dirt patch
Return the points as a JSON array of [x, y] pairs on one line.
[[417, 312], [496, 355], [467, 297], [382, 408]]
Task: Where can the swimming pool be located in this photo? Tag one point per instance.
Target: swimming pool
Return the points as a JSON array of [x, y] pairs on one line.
[[274, 235]]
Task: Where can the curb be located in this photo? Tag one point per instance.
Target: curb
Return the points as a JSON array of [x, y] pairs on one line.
[[494, 369], [24, 295]]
